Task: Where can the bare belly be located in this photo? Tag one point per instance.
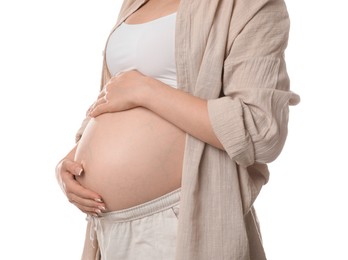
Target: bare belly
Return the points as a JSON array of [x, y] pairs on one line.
[[130, 157]]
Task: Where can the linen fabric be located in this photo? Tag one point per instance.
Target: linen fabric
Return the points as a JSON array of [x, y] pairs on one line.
[[230, 52]]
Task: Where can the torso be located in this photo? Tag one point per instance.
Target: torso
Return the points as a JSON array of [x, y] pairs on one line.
[[133, 156]]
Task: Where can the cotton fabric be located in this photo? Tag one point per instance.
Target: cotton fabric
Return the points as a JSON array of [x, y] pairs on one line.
[[230, 52], [147, 47], [144, 232]]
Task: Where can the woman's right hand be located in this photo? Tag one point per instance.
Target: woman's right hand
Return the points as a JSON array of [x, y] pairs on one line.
[[86, 200]]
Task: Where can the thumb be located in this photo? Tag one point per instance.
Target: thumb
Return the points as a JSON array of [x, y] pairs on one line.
[[78, 171], [74, 168]]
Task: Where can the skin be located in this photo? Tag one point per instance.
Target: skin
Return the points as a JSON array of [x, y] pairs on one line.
[[130, 90], [86, 200]]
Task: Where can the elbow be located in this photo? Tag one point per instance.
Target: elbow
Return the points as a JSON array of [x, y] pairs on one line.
[[263, 151], [268, 148]]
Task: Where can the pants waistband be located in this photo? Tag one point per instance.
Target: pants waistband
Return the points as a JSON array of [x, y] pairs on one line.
[[151, 207], [148, 208]]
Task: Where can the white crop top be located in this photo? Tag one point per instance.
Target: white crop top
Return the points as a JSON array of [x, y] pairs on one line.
[[147, 47]]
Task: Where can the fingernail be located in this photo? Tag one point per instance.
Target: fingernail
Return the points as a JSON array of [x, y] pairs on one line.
[[98, 200], [78, 171], [95, 215], [102, 207], [98, 211]]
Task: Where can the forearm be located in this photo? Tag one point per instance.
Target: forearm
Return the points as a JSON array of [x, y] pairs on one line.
[[185, 111]]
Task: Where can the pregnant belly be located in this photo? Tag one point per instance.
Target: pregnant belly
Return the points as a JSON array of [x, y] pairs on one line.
[[130, 157]]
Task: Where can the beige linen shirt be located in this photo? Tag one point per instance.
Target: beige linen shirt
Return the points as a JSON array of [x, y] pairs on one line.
[[230, 52]]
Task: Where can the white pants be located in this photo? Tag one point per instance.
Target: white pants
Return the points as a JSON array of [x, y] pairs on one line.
[[144, 232]]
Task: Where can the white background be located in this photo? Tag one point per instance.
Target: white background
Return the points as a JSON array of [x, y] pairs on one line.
[[50, 62]]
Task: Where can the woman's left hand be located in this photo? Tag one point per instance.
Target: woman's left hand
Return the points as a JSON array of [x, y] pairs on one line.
[[122, 92]]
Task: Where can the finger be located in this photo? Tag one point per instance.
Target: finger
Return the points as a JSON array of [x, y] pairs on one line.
[[100, 109], [87, 202], [100, 101], [90, 211], [90, 108], [103, 92], [75, 189], [88, 206], [72, 167]]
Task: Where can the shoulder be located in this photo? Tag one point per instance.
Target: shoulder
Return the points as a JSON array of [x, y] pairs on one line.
[[254, 13]]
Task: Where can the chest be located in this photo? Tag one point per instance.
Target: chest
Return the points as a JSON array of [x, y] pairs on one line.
[[147, 47]]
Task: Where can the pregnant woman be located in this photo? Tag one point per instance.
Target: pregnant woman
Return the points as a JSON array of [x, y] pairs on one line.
[[171, 156]]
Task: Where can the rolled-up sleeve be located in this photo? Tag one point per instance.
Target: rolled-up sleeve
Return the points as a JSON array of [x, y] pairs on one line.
[[250, 119]]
